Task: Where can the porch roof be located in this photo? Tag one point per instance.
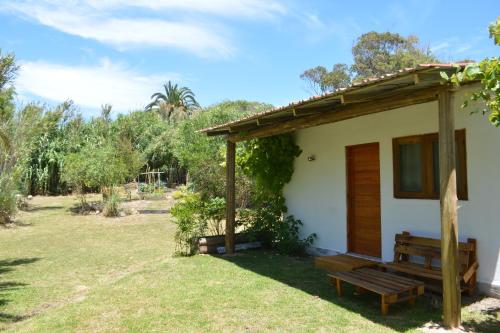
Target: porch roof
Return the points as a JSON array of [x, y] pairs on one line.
[[405, 87]]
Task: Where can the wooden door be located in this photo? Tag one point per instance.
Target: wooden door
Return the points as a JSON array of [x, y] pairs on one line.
[[363, 199]]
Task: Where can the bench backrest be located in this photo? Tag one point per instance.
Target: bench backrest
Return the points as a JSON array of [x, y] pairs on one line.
[[407, 246]]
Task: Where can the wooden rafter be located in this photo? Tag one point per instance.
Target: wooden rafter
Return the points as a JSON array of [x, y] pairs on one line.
[[341, 113]]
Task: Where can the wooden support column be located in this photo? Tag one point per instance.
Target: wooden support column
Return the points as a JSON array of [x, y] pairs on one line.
[[449, 225], [230, 196]]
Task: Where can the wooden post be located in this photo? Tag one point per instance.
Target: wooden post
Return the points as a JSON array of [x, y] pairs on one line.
[[230, 195], [449, 225]]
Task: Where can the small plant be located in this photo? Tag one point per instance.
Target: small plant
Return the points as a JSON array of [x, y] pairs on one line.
[[112, 205], [7, 199]]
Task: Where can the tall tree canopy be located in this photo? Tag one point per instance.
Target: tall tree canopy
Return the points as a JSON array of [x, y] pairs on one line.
[[376, 54], [373, 54], [8, 69], [175, 100], [488, 72], [320, 80]]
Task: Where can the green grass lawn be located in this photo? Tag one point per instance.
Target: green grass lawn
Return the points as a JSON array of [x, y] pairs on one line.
[[61, 272]]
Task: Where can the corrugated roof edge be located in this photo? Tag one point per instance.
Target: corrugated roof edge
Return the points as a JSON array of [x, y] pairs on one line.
[[353, 87]]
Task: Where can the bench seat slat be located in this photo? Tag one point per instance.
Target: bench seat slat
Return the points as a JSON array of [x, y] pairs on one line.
[[355, 280], [396, 280], [398, 287], [414, 269]]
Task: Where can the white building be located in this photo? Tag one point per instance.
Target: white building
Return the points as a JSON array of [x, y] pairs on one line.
[[369, 167]]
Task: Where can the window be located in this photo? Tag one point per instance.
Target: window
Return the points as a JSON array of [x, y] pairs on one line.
[[416, 166]]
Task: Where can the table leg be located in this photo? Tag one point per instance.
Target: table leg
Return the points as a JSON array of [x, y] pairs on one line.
[[411, 300], [384, 306], [338, 283]]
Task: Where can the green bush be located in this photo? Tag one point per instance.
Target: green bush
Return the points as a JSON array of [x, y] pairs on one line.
[[112, 205], [213, 213], [196, 217], [267, 224], [7, 199], [189, 224], [269, 162], [204, 157], [101, 167]]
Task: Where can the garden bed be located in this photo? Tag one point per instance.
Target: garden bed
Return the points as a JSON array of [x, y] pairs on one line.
[[209, 244]]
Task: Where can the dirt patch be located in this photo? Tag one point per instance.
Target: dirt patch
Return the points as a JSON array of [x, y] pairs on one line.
[[483, 313], [487, 304], [432, 327]]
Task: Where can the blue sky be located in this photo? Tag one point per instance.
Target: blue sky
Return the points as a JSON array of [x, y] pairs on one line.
[[122, 51]]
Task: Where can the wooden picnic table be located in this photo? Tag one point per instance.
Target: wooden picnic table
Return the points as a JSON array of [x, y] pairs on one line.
[[392, 288]]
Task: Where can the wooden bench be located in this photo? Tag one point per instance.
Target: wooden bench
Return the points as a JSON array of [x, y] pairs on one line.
[[391, 288], [407, 248], [342, 262]]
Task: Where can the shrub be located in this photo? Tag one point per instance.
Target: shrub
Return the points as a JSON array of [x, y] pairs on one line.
[[269, 162], [189, 224], [7, 199], [204, 157], [282, 234], [196, 217], [213, 213], [112, 205]]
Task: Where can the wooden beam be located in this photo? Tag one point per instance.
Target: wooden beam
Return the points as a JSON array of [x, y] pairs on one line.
[[230, 196], [416, 79], [243, 127], [216, 133], [449, 224], [273, 120], [341, 113], [310, 110]]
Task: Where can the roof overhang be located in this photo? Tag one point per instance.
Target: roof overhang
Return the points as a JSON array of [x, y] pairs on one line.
[[406, 87]]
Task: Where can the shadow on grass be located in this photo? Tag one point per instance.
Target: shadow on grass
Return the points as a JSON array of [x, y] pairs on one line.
[[300, 273], [153, 211], [485, 317], [8, 287], [33, 209], [90, 207]]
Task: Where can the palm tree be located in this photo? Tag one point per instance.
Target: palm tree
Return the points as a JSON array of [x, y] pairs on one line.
[[175, 99]]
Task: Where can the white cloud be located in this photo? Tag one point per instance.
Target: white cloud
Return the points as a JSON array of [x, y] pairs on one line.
[[146, 23], [90, 86], [130, 32], [256, 9], [440, 46]]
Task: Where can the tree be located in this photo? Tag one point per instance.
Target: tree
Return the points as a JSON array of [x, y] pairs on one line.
[[488, 72], [377, 54], [8, 69], [204, 157], [320, 80], [374, 54], [102, 168], [175, 100]]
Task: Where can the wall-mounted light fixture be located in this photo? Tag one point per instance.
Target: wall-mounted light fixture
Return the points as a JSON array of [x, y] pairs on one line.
[[311, 158]]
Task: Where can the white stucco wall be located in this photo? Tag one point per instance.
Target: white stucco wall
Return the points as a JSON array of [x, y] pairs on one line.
[[317, 191]]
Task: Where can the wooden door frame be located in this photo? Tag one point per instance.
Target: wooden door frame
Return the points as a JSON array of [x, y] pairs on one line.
[[349, 194]]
